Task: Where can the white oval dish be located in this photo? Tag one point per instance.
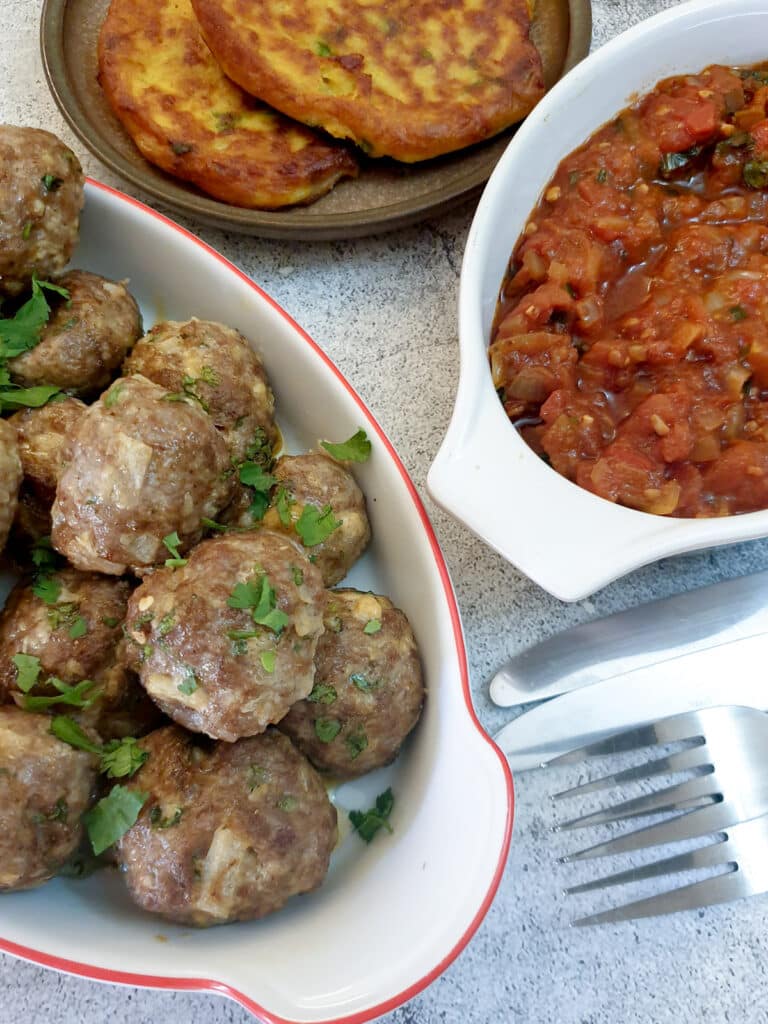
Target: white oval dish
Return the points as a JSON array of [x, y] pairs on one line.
[[567, 540], [391, 916]]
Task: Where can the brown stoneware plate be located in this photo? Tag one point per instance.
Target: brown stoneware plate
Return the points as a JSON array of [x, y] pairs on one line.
[[387, 195]]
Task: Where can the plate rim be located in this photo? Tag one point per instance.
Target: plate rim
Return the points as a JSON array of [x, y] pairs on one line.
[[168, 983], [266, 223]]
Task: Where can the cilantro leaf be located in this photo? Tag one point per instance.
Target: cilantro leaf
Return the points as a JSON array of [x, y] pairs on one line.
[[78, 628], [13, 397], [355, 449], [252, 474], [171, 542], [322, 693], [356, 743], [68, 731], [22, 331], [78, 696], [327, 729], [189, 684], [260, 598], [315, 525], [157, 820], [112, 816], [267, 659], [245, 595], [44, 558], [47, 588], [283, 502], [121, 758], [28, 671], [368, 823], [372, 626]]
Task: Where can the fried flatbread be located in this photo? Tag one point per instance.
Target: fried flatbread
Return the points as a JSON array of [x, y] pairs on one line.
[[186, 117], [410, 79]]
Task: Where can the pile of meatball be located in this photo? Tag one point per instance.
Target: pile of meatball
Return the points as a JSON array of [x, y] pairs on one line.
[[209, 625]]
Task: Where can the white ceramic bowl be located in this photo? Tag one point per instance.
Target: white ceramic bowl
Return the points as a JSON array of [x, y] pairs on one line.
[[390, 916], [568, 540]]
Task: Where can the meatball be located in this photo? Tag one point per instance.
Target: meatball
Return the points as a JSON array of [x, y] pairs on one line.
[[123, 707], [10, 478], [140, 469], [46, 787], [229, 832], [86, 338], [225, 644], [73, 628], [368, 690], [315, 480], [42, 436], [215, 367], [41, 195]]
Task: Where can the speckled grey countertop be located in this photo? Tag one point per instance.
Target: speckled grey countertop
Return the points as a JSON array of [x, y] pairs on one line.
[[383, 308]]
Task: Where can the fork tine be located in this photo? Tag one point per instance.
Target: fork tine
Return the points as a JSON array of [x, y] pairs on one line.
[[684, 728], [705, 857], [687, 825], [686, 760], [721, 889], [672, 798]]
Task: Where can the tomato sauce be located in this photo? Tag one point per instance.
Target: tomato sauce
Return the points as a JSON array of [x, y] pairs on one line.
[[630, 345]]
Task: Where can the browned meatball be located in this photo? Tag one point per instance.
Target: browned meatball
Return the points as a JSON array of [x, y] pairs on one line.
[[140, 468], [123, 707], [213, 667], [368, 690], [215, 367], [73, 628], [10, 478], [317, 481], [86, 338], [42, 437], [46, 786], [41, 195], [229, 832]]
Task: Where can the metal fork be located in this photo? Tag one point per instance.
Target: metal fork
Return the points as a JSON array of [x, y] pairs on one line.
[[725, 757]]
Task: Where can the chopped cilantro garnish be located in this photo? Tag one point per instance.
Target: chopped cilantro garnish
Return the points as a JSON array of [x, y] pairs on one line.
[[66, 729], [671, 162], [211, 524], [283, 502], [171, 542], [166, 624], [372, 626], [189, 684], [112, 397], [327, 729], [257, 776], [26, 230], [322, 49], [368, 823], [157, 820], [119, 758], [28, 671], [322, 693], [258, 596], [22, 331], [80, 695], [362, 682], [110, 620], [189, 388], [315, 525], [356, 742], [602, 176], [112, 816], [47, 588], [298, 575], [755, 173], [260, 449], [12, 397], [356, 449], [288, 803], [267, 659], [59, 813], [253, 475], [51, 182], [78, 628]]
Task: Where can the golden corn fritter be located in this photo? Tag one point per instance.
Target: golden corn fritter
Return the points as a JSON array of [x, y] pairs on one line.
[[410, 79], [186, 117]]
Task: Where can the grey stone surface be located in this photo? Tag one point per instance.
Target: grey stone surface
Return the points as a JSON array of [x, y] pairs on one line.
[[383, 308]]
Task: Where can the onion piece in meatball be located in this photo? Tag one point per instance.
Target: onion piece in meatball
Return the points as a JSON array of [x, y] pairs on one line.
[[42, 436], [10, 478], [45, 786], [86, 338], [314, 487], [225, 644], [70, 621], [368, 690], [141, 468], [215, 367], [41, 195], [229, 832]]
